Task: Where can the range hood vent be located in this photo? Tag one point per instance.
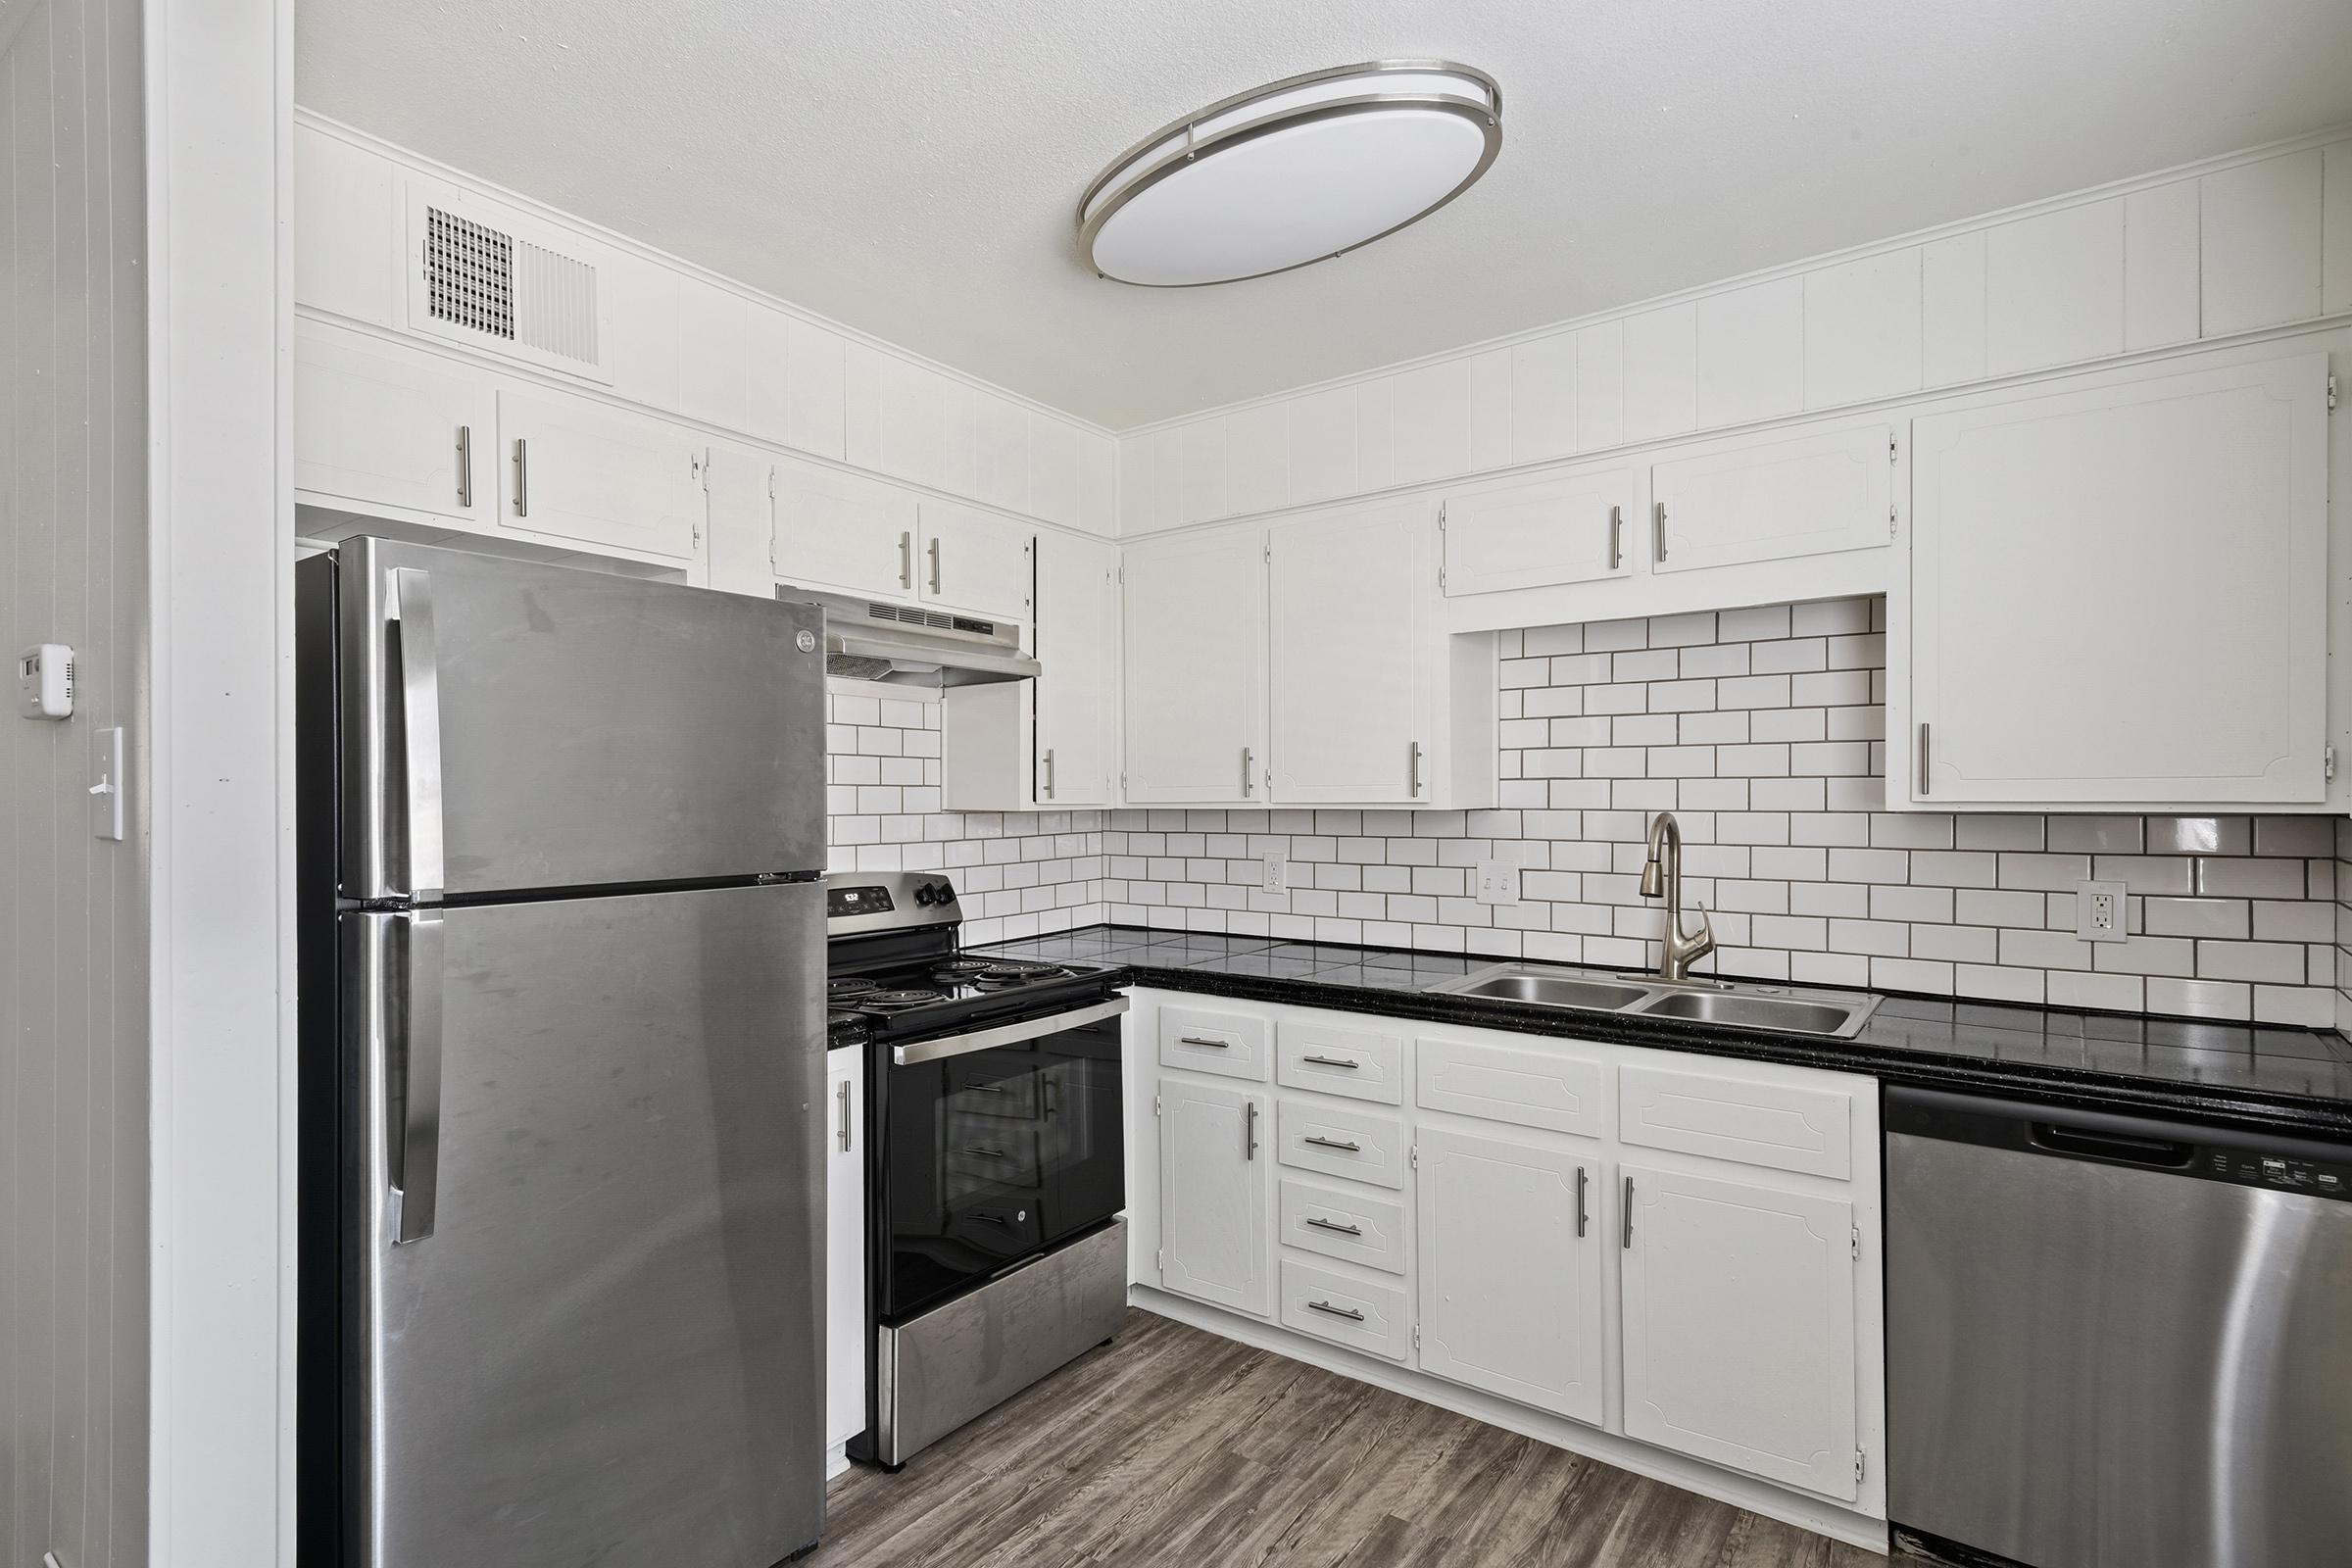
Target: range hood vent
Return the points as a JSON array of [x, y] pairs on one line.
[[867, 639]]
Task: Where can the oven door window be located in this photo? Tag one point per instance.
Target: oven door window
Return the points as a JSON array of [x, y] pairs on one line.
[[997, 1155]]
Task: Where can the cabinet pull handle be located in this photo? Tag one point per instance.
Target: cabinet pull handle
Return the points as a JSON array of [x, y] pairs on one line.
[[1347, 1312], [1340, 1145], [1627, 1240], [1412, 772], [1322, 1224], [522, 477], [1333, 1061], [1197, 1040], [1250, 1132], [1658, 513], [465, 467], [843, 1097], [933, 548], [906, 561], [1616, 538], [1924, 756], [984, 1152], [1245, 761], [1580, 1199], [1049, 772]]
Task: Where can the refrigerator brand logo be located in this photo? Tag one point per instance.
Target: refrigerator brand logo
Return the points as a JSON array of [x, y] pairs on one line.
[[806, 642]]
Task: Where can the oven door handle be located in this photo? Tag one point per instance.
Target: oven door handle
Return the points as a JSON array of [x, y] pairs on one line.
[[1011, 1034]]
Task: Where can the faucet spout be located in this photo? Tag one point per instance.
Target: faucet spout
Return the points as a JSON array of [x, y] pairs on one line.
[[1662, 876]]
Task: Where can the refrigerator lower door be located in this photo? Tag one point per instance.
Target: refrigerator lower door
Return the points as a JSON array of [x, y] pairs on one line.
[[508, 726], [604, 1344]]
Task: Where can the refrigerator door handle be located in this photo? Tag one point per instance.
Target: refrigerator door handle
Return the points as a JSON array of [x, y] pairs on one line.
[[415, 1054], [410, 606]]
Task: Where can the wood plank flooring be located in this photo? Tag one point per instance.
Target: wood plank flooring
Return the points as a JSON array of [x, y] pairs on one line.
[[1178, 1448]]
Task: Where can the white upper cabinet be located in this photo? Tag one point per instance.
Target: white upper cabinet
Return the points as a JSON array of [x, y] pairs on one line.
[[1077, 645], [381, 424], [1789, 495], [2054, 287], [1862, 329], [1217, 1195], [2119, 595], [1349, 600], [586, 471], [2262, 242], [1509, 1269], [1751, 353], [1661, 372], [974, 560], [1577, 526], [844, 531], [1738, 1309], [1195, 617]]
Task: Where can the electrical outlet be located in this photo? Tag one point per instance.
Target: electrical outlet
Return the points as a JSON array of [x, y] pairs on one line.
[[1497, 882], [1271, 882], [2100, 911]]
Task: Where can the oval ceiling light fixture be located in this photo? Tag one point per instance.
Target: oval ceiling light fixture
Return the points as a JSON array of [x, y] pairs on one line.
[[1297, 171]]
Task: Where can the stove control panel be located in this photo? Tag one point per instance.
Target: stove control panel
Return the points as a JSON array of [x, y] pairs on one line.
[[845, 901], [927, 894], [858, 903]]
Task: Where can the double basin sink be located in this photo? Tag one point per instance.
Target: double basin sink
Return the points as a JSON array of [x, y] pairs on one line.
[[1790, 1009]]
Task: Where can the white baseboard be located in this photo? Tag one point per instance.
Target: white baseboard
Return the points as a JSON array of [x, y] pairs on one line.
[[1674, 1470]]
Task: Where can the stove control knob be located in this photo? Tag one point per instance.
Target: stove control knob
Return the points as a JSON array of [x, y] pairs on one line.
[[943, 893], [923, 894]]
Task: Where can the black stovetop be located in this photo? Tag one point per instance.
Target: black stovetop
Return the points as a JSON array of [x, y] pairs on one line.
[[901, 998]]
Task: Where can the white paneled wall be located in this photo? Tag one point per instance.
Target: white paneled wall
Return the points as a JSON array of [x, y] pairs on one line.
[[2234, 246], [1017, 874], [1762, 729], [74, 940]]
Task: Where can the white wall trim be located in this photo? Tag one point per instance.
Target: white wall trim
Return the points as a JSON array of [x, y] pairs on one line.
[[218, 98], [1787, 269]]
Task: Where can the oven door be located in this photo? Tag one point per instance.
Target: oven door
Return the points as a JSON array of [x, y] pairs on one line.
[[996, 1146]]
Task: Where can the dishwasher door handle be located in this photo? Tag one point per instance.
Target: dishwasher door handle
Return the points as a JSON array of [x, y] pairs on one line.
[[2159, 1153]]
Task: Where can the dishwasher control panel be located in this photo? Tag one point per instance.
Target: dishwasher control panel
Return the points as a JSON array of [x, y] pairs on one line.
[[2286, 1173]]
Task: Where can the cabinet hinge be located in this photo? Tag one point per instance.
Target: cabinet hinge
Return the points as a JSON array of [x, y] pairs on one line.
[[1269, 550], [1154, 1105], [1441, 576], [1414, 1155], [1417, 1336], [1891, 449], [1857, 1464], [1857, 1241], [1440, 517], [2328, 760], [2331, 390], [1889, 522], [771, 482], [1160, 1260]]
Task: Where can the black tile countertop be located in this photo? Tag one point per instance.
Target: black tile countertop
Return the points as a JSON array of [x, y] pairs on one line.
[[2276, 1079]]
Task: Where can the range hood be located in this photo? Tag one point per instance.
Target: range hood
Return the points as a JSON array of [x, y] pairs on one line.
[[868, 639]]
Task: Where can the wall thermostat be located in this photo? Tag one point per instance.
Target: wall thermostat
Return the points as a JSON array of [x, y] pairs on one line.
[[45, 681]]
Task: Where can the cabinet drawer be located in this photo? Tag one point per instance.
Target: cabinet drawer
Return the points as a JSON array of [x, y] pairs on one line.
[[1360, 1063], [1359, 1145], [1779, 1126], [1358, 1227], [1231, 1045], [1344, 1310], [1549, 1084]]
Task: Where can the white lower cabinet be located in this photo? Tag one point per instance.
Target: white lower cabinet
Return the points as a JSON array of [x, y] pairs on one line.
[[1509, 1269], [1738, 1301], [846, 1342], [1672, 1254], [1215, 1192]]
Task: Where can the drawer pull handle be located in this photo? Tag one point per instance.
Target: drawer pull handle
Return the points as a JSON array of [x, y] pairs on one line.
[[1334, 1143], [1195, 1039], [986, 1154], [1334, 1062], [1347, 1312], [1322, 1224]]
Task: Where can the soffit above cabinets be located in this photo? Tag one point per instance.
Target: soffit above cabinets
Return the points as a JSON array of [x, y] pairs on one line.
[[909, 169]]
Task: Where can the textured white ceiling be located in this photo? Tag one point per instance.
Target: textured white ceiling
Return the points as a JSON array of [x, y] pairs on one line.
[[908, 166]]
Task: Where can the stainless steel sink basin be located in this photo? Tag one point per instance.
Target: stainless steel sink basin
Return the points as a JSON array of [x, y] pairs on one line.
[[1557, 990], [1755, 1012], [1727, 1003]]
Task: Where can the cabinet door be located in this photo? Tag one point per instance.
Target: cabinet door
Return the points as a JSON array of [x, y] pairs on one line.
[[1196, 613], [599, 475], [1740, 1326], [1214, 1195], [379, 424], [1570, 527], [975, 560], [842, 530], [847, 1335], [1509, 1269], [1790, 496], [1077, 603], [2120, 595], [1349, 612]]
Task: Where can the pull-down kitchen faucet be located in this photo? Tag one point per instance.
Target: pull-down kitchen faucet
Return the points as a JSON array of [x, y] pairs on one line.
[[1662, 874]]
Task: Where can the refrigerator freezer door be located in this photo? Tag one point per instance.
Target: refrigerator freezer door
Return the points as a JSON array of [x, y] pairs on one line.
[[511, 726], [606, 1347]]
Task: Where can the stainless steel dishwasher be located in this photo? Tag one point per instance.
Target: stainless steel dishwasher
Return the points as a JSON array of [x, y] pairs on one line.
[[2115, 1341]]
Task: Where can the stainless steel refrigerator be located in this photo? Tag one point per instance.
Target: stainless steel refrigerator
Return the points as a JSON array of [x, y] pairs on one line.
[[562, 945]]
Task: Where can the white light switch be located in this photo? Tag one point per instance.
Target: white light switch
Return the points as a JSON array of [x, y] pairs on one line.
[[2100, 911], [1497, 882], [106, 782]]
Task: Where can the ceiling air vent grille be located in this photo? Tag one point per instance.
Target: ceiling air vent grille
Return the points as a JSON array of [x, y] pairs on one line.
[[555, 302], [470, 273]]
